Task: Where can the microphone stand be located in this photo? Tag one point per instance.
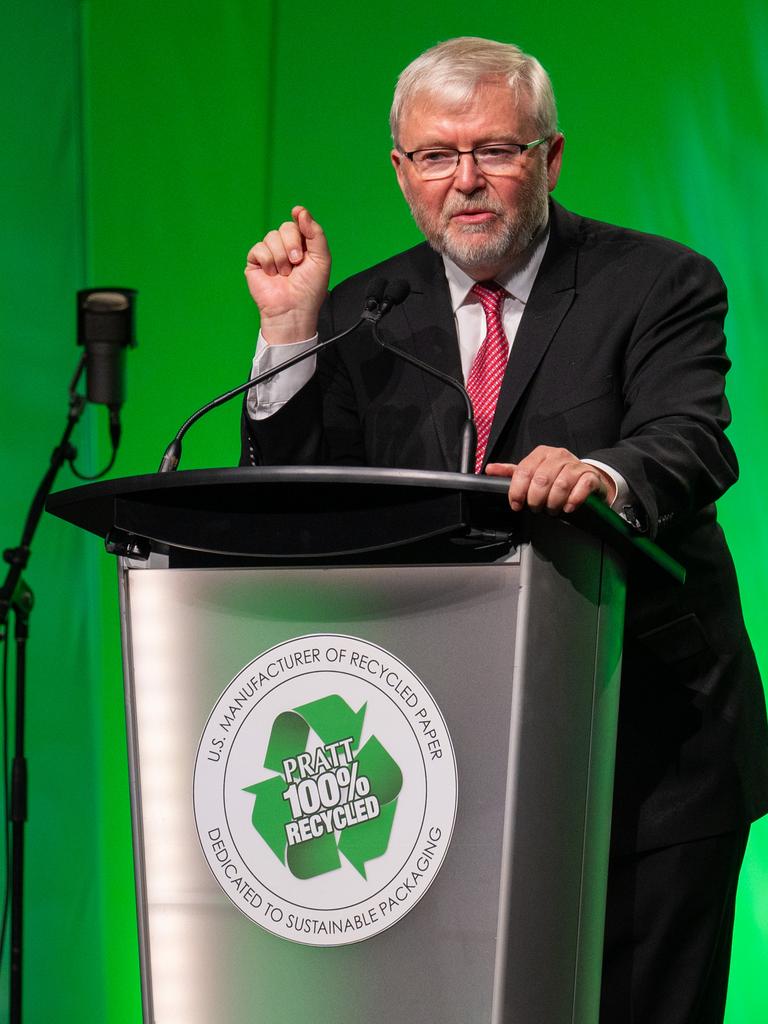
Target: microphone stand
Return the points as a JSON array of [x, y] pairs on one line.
[[16, 596], [468, 439]]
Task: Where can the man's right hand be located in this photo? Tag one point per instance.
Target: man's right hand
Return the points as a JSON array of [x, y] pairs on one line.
[[287, 274]]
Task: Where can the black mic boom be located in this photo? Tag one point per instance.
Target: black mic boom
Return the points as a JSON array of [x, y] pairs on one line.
[[394, 294]]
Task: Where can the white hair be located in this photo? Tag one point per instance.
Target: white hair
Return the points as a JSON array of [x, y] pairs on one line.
[[454, 69]]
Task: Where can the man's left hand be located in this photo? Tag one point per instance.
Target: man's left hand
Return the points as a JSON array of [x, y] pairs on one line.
[[552, 480]]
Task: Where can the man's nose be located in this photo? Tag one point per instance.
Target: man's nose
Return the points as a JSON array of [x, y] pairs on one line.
[[468, 177]]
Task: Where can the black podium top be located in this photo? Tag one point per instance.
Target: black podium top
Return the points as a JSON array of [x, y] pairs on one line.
[[321, 513]]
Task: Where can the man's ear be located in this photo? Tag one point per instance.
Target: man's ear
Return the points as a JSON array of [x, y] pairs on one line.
[[554, 159], [398, 162]]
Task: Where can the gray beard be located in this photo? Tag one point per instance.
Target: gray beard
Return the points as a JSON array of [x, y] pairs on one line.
[[506, 242]]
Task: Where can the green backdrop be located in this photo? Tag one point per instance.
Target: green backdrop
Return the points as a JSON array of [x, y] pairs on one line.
[[149, 145]]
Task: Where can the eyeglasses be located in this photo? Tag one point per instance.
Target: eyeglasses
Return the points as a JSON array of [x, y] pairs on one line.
[[500, 160]]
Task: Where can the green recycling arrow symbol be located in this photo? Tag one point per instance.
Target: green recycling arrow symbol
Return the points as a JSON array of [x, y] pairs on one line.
[[359, 787]]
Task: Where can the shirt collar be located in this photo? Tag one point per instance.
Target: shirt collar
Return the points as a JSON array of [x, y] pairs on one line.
[[518, 283]]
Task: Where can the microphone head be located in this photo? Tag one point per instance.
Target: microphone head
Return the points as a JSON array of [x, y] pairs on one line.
[[395, 293], [374, 293], [106, 315], [105, 328]]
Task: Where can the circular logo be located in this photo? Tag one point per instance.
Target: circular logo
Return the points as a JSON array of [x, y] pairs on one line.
[[325, 790]]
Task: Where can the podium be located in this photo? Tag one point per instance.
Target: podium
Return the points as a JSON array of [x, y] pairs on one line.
[[371, 726]]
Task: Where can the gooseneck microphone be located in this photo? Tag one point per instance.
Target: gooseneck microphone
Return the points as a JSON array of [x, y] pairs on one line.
[[376, 298], [392, 295]]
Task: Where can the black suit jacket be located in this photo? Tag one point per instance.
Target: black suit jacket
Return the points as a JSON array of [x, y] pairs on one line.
[[620, 356]]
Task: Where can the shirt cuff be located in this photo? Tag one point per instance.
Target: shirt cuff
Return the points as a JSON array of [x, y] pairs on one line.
[[624, 500], [265, 399]]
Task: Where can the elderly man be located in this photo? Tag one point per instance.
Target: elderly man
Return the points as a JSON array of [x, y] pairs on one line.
[[595, 360]]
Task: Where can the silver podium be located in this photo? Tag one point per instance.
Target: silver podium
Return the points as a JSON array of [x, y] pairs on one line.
[[442, 855]]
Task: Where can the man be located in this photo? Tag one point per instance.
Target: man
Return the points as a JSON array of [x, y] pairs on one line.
[[595, 359]]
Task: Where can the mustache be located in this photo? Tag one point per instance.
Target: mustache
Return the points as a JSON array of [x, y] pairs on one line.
[[470, 204]]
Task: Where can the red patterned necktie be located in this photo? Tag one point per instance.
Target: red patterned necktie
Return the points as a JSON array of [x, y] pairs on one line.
[[488, 368]]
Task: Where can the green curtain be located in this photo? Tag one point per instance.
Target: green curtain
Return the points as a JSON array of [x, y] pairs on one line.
[[149, 145]]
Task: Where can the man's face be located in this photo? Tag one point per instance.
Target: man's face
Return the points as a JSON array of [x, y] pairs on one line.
[[482, 222]]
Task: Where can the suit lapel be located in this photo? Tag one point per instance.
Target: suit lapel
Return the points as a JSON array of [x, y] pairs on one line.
[[424, 326], [551, 297]]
